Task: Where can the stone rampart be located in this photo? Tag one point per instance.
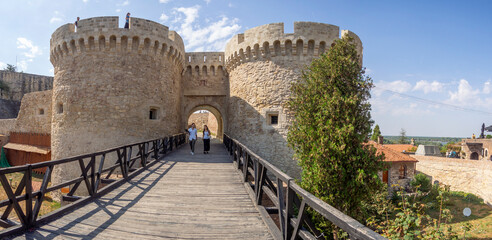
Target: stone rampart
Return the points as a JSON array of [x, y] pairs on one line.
[[20, 84], [205, 74], [35, 113], [469, 176], [6, 126]]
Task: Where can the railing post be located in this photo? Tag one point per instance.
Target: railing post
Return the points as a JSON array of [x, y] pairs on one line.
[[28, 176], [289, 210]]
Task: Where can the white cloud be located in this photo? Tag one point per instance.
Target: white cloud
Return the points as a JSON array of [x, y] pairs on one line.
[[125, 3], [163, 17], [32, 50], [203, 38], [398, 86], [487, 87], [164, 1], [85, 1], [208, 1], [3, 65], [465, 95], [57, 17], [427, 87], [118, 10]]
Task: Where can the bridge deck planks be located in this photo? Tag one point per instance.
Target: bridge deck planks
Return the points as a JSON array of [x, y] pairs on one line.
[[182, 197]]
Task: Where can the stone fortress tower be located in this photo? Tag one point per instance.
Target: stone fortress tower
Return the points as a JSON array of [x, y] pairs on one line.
[[262, 63], [114, 86]]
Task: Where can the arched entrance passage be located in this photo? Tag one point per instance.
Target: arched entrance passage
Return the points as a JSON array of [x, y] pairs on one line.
[[217, 114], [474, 156]]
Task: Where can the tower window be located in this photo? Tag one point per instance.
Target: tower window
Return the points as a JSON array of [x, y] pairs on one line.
[[41, 111], [272, 118], [153, 114], [59, 108]]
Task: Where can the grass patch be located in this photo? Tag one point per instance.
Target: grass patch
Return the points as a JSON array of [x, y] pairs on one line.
[[14, 179], [480, 220]]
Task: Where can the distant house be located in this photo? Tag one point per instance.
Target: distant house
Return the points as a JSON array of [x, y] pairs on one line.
[[401, 166]]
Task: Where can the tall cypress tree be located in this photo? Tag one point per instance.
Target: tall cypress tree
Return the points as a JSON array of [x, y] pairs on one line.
[[331, 124], [3, 159], [376, 133]]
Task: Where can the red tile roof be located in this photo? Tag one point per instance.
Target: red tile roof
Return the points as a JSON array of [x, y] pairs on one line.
[[392, 155], [400, 147]]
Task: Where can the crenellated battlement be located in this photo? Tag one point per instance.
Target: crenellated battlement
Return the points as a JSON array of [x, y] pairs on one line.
[[269, 41], [204, 63], [103, 34]]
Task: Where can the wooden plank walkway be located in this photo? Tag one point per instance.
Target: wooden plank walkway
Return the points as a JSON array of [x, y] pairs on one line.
[[181, 197]]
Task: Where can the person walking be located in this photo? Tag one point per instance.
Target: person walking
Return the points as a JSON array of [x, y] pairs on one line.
[[77, 24], [127, 20], [206, 139], [192, 131]]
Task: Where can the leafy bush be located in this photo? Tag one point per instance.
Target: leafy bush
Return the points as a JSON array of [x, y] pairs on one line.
[[422, 182]]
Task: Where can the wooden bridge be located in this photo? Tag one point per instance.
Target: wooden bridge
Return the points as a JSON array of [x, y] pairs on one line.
[[229, 194]]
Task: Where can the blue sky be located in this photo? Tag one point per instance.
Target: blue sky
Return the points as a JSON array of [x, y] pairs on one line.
[[431, 61]]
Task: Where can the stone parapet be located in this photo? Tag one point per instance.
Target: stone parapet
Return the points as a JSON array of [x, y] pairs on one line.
[[103, 34], [269, 42]]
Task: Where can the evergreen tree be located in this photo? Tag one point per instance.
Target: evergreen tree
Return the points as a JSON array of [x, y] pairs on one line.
[[403, 137], [331, 124], [376, 133]]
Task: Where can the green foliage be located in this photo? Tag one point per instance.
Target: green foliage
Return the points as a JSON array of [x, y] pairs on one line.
[[467, 197], [403, 137], [488, 136], [421, 182], [4, 86], [376, 133], [331, 123], [408, 218], [10, 68]]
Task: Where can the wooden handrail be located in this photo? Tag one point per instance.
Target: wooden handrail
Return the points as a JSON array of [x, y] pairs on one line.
[[288, 197], [91, 176]]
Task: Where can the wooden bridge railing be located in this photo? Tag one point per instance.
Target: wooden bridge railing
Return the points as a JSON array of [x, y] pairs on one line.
[[287, 197], [94, 173]]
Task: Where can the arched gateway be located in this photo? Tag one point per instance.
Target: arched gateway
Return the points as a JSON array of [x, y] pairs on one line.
[[139, 83]]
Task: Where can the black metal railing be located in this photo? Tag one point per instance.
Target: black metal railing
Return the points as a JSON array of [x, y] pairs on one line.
[[276, 193], [93, 175]]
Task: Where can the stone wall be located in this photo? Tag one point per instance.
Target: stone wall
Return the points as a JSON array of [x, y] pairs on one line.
[[20, 84], [212, 124], [35, 113], [469, 176], [199, 119], [6, 125]]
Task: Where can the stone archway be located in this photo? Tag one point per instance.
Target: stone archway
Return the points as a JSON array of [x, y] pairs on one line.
[[474, 156], [217, 114]]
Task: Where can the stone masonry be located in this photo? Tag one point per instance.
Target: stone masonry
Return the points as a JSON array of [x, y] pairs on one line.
[[114, 86]]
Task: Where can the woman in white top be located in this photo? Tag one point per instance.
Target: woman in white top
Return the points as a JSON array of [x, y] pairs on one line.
[[206, 139], [192, 131]]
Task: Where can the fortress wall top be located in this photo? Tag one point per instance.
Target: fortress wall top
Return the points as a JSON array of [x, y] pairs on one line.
[[269, 41], [204, 63], [104, 34]]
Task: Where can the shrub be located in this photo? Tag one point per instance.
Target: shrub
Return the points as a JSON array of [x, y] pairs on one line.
[[422, 182]]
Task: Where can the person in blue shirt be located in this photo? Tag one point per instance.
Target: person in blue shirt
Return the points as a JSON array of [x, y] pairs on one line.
[[206, 139], [127, 23], [192, 131]]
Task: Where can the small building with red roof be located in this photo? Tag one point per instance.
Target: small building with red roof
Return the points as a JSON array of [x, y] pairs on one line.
[[401, 166]]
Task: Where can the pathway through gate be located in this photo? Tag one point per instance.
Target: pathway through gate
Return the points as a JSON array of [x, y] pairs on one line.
[[182, 196]]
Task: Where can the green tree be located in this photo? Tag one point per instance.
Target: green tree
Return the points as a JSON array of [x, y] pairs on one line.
[[10, 68], [376, 133], [4, 86], [331, 124], [403, 137]]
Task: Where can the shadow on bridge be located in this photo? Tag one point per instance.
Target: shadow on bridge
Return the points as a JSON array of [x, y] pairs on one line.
[[182, 196]]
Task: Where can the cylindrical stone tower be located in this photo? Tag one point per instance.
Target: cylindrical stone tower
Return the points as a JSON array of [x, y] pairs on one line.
[[262, 63], [113, 86]]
